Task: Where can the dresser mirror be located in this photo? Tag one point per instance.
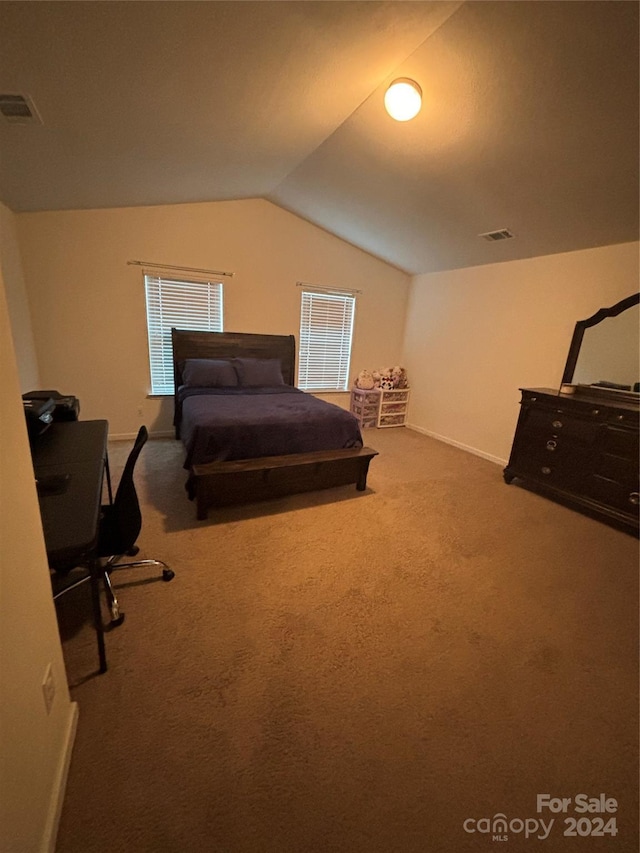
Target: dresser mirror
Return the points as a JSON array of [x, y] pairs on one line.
[[605, 350]]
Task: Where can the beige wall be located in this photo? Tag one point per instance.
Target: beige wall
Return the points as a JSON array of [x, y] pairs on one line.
[[474, 336], [20, 319], [87, 305], [34, 745]]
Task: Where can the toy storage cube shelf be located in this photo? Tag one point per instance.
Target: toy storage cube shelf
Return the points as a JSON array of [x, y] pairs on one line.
[[380, 408], [393, 407], [365, 405]]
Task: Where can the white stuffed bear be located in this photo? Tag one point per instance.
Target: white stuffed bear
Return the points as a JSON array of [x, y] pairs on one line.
[[399, 375], [364, 380]]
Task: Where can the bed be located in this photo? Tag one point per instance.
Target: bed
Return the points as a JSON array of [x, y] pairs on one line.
[[248, 432]]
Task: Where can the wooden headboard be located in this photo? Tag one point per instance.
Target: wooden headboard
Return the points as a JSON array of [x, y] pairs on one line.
[[187, 344]]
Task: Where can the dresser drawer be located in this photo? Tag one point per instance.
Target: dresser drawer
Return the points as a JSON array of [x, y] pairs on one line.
[[546, 422], [392, 408], [624, 443], [602, 411], [391, 420], [613, 493], [563, 471], [618, 469]]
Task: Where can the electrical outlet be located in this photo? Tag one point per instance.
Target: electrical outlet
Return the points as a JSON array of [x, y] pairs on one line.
[[48, 688]]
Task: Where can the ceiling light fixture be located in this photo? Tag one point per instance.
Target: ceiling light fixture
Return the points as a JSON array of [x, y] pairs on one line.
[[403, 99]]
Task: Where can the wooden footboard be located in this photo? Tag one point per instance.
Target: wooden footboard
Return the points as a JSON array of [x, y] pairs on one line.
[[251, 480]]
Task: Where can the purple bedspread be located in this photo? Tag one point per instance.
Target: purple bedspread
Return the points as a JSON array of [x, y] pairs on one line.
[[247, 423]]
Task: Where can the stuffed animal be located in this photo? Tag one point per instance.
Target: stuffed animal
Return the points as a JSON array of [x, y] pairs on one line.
[[386, 379], [376, 378], [399, 375], [364, 380]]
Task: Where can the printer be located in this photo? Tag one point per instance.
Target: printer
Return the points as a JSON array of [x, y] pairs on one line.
[[65, 406], [42, 408], [39, 415]]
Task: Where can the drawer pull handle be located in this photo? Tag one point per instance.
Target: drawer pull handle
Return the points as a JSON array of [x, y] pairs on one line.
[[533, 399], [634, 497], [556, 424], [551, 445], [620, 417], [595, 411], [546, 470]]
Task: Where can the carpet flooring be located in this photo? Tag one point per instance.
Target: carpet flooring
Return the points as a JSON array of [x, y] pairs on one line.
[[360, 672]]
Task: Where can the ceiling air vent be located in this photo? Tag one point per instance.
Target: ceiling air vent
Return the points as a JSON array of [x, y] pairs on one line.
[[492, 236], [19, 109]]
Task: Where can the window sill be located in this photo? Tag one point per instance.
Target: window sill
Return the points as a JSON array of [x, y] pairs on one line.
[[327, 391], [161, 396]]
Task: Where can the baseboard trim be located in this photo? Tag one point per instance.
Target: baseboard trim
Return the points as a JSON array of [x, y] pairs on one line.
[[488, 456], [129, 436], [60, 784]]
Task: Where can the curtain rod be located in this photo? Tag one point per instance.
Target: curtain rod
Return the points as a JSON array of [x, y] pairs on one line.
[[324, 287], [181, 269]]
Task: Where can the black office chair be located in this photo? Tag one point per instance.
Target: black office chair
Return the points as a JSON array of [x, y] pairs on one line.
[[120, 526]]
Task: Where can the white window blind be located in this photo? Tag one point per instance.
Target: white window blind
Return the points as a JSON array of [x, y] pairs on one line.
[[326, 330], [195, 305]]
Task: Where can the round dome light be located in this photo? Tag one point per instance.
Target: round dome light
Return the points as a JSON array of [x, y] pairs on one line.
[[403, 99]]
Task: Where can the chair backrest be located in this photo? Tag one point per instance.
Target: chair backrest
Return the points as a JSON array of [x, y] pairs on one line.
[[127, 517]]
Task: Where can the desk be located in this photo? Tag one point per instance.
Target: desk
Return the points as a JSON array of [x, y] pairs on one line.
[[75, 454]]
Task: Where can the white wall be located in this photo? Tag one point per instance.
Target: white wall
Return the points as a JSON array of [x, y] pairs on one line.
[[87, 305], [34, 745], [475, 336]]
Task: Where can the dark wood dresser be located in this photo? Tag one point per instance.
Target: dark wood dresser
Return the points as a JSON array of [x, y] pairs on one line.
[[581, 450]]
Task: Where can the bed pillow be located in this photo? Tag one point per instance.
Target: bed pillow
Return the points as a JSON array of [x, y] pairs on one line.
[[209, 373], [259, 372]]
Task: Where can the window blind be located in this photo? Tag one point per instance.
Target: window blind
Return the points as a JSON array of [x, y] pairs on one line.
[[326, 330], [195, 305]]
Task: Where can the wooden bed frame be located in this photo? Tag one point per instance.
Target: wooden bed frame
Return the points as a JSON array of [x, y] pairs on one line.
[[249, 480]]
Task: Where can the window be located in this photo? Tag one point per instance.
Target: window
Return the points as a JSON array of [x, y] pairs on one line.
[[326, 329], [184, 304]]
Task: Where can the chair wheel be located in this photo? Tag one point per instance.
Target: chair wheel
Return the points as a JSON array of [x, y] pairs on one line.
[[168, 574], [117, 617]]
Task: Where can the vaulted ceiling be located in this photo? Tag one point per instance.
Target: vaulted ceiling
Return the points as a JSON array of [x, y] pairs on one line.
[[529, 120]]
